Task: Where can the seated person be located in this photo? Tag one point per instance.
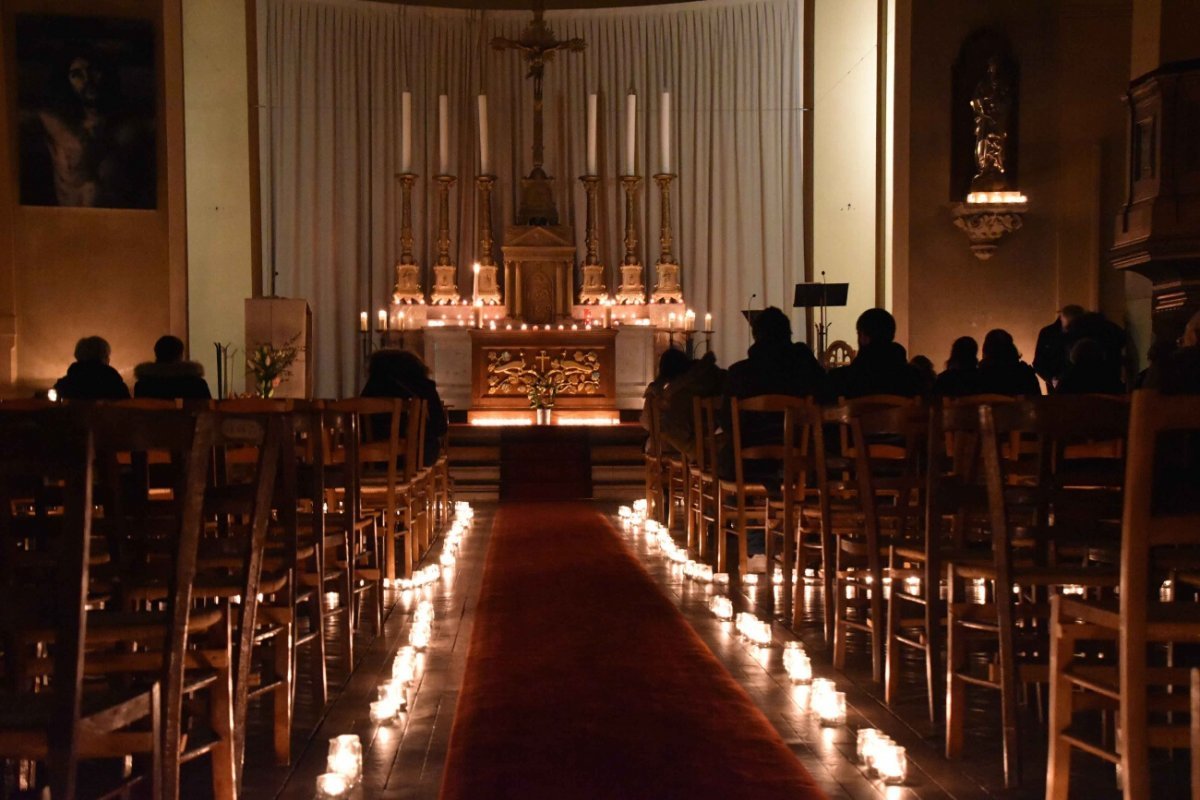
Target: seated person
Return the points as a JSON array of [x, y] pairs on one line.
[[881, 366], [1179, 372], [1089, 371], [926, 374], [168, 376], [1002, 371], [91, 377], [671, 364], [961, 376], [773, 365], [703, 378], [400, 373]]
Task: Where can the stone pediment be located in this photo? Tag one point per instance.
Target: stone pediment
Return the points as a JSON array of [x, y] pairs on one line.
[[539, 236]]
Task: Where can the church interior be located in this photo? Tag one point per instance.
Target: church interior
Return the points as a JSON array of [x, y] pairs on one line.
[[602, 398]]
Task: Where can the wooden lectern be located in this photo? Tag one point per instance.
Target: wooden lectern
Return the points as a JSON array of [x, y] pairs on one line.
[[276, 320]]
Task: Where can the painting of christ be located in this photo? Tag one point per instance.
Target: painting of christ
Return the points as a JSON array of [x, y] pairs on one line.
[[87, 101]]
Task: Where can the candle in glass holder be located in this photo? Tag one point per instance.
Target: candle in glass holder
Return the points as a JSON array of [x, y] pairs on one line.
[[831, 708], [864, 742], [797, 663], [891, 762], [873, 748], [332, 786], [345, 757]]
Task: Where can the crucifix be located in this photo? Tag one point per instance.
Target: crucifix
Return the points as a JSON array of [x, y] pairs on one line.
[[538, 46]]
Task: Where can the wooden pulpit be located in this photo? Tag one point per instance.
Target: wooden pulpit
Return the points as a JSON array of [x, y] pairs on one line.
[[539, 272]]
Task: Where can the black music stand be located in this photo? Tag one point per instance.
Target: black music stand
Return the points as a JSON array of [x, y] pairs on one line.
[[821, 295]]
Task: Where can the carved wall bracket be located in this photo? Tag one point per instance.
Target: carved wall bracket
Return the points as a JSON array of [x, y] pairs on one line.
[[985, 224]]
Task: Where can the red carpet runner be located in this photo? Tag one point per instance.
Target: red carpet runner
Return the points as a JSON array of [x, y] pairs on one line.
[[584, 681]]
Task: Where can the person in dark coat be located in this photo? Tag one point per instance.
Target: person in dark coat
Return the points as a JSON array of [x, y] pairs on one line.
[[1089, 371], [1002, 371], [672, 364], [961, 376], [91, 377], [1051, 355], [169, 376], [400, 373], [1111, 340], [881, 366]]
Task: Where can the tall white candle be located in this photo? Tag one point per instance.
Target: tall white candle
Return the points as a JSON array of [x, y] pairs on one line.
[[383, 320], [406, 132], [443, 135], [592, 116], [630, 133], [484, 161], [664, 132], [475, 282]]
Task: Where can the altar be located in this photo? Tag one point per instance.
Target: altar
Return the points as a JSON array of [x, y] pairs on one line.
[[525, 347]]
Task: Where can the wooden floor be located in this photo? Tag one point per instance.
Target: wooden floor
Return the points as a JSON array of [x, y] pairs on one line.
[[406, 760]]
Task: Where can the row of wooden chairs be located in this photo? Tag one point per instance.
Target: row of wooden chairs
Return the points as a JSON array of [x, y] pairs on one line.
[[969, 527], [159, 560]]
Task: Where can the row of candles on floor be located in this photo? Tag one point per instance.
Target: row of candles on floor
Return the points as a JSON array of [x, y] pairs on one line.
[[402, 321], [394, 696], [877, 752]]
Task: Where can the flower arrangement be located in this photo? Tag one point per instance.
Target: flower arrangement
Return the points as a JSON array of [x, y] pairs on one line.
[[544, 388], [270, 364]]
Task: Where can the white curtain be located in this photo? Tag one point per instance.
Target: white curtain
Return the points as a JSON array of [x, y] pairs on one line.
[[331, 75]]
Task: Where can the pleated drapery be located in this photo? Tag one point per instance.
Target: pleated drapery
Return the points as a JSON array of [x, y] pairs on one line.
[[331, 77]]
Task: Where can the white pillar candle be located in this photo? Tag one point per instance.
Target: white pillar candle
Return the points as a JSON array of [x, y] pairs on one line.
[[708, 323], [593, 159], [406, 132], [630, 134], [362, 321], [443, 135], [484, 161], [475, 281], [664, 132], [383, 320]]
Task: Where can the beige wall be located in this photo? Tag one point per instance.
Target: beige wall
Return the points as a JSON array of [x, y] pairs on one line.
[[221, 215], [844, 147], [1074, 64], [67, 273]]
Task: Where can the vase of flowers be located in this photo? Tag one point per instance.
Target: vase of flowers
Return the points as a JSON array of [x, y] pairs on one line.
[[543, 391], [270, 364]]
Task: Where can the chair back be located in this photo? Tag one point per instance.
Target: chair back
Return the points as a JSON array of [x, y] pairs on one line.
[[45, 538], [787, 444], [706, 413], [837, 354]]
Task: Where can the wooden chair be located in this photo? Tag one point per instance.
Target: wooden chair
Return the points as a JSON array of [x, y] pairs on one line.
[[1022, 553], [702, 478], [666, 473], [876, 521], [1160, 523], [837, 354], [46, 477]]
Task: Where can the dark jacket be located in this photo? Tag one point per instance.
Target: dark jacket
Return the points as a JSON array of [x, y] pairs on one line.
[[91, 380], [957, 382], [170, 380], [1014, 378], [703, 379], [1089, 379], [1050, 357], [877, 369], [425, 389]]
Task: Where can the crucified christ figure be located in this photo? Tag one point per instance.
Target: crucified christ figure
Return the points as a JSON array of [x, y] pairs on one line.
[[538, 46]]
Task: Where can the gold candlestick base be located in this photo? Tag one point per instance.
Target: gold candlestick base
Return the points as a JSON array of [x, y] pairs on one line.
[[594, 290], [407, 289], [632, 290], [668, 289], [489, 285], [445, 285]]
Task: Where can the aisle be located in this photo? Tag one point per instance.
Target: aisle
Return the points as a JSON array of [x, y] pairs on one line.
[[583, 679]]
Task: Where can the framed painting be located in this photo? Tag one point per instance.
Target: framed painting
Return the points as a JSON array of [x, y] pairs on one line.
[[87, 102]]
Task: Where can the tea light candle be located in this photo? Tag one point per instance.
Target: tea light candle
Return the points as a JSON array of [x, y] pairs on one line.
[[331, 786], [721, 607], [797, 663], [345, 757], [891, 762], [874, 747], [864, 742], [831, 708]]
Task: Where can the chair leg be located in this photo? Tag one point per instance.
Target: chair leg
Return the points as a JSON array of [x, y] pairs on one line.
[[839, 627], [1058, 760], [722, 543], [955, 689], [281, 697], [1008, 692], [891, 667], [933, 637], [316, 616], [224, 762], [829, 575], [877, 628]]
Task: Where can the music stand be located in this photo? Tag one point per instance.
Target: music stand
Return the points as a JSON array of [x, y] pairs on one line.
[[821, 295]]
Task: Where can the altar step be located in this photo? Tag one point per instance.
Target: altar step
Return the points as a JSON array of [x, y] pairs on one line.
[[615, 454]]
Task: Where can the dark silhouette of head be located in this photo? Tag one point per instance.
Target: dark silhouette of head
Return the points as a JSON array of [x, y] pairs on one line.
[[1088, 353], [1070, 313], [92, 349], [964, 353], [396, 366], [875, 326], [671, 364], [771, 326], [998, 347], [168, 349]]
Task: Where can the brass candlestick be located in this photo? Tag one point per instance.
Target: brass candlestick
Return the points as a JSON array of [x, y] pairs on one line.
[[632, 290], [408, 271], [594, 288], [488, 289], [445, 272], [668, 289]]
